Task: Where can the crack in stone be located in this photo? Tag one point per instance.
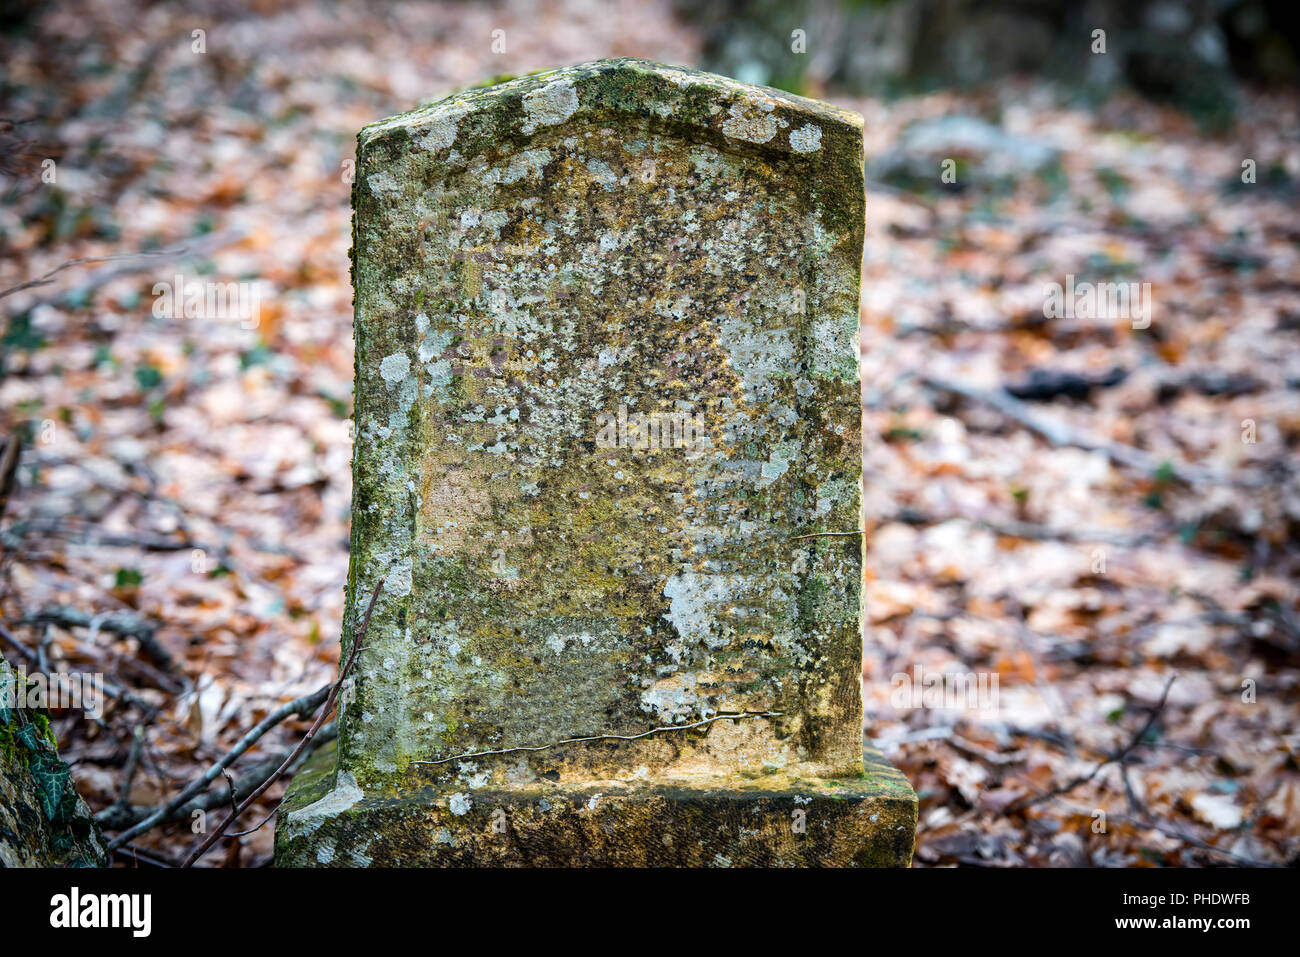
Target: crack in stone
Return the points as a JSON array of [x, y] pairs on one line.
[[736, 715]]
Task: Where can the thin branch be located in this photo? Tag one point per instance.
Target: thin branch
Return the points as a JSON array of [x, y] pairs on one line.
[[1012, 528], [132, 765], [358, 640], [299, 761], [48, 278], [123, 624], [260, 824], [10, 452], [184, 514], [230, 781], [1059, 434], [128, 262], [306, 704], [116, 817], [135, 855], [1119, 756], [28, 655], [1169, 830], [110, 689]]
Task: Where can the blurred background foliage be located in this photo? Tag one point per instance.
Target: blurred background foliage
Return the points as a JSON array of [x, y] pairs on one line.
[[189, 477], [1189, 54]]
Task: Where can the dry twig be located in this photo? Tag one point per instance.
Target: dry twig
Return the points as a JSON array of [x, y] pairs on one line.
[[358, 640], [1115, 756], [1059, 434], [307, 704]]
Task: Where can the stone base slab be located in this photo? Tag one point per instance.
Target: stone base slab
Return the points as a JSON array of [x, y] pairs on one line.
[[777, 820]]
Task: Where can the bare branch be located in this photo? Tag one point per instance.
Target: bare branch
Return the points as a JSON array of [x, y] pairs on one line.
[[1119, 756], [358, 640], [1059, 434], [128, 262], [306, 704]]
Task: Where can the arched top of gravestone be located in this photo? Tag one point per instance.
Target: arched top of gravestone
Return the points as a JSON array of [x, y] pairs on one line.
[[811, 142]]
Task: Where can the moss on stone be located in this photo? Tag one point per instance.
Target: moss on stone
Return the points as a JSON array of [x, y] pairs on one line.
[[779, 820], [532, 259], [43, 821], [521, 273]]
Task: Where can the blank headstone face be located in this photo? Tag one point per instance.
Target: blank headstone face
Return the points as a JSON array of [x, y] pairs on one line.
[[606, 324]]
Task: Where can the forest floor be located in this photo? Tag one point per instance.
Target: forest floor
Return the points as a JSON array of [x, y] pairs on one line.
[[1117, 547]]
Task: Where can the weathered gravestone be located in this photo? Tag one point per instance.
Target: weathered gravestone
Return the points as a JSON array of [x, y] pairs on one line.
[[608, 459]]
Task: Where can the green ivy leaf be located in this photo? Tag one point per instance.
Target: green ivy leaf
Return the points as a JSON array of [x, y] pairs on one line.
[[8, 696], [52, 781], [31, 737]]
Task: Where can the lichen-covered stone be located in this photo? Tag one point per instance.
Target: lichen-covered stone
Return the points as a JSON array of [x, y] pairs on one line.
[[777, 819], [43, 821], [607, 401]]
